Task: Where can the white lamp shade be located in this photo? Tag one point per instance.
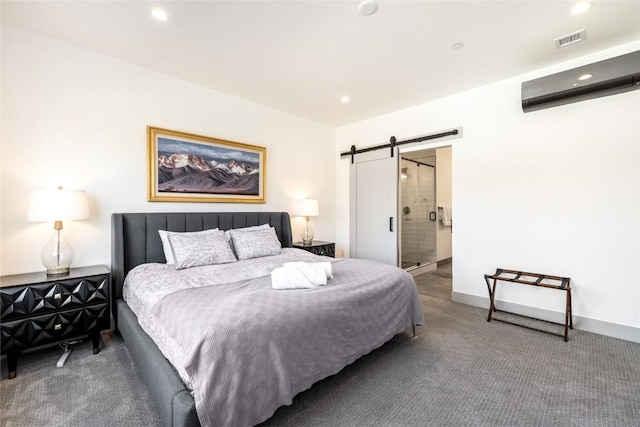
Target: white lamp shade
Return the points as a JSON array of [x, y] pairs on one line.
[[307, 207], [58, 205]]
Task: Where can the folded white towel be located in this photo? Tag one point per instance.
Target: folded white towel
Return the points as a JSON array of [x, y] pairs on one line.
[[299, 277], [445, 215], [325, 265]]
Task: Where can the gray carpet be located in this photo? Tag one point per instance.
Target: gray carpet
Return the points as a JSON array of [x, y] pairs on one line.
[[90, 390], [460, 371]]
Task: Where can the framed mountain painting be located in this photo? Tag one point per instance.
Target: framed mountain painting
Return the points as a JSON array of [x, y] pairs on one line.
[[191, 168]]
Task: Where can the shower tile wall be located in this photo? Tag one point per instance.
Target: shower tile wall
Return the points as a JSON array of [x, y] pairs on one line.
[[417, 192]]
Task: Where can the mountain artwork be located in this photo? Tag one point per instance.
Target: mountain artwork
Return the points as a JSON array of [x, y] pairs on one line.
[[185, 168], [179, 172]]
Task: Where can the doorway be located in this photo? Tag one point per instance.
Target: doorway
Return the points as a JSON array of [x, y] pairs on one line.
[[375, 210], [418, 209], [426, 237], [432, 238]]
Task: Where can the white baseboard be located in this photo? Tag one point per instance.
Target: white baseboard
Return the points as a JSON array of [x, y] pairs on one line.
[[624, 332]]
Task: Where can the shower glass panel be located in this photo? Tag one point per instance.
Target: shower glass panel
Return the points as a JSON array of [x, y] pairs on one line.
[[418, 209]]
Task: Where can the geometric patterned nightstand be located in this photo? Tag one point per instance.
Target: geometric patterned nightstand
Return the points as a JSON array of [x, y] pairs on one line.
[[318, 247], [37, 309]]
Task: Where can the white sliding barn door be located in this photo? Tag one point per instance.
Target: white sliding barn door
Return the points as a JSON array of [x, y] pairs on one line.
[[374, 206]]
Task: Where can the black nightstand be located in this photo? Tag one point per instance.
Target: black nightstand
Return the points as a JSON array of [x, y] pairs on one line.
[[318, 247], [37, 309]]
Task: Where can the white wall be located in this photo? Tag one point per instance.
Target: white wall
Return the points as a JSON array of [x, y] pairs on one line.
[[77, 118], [443, 195], [554, 191]]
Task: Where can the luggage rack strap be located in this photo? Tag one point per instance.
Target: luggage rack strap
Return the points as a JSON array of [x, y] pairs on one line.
[[536, 278]]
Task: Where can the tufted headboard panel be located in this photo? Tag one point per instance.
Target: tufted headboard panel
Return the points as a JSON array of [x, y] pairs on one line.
[[135, 239]]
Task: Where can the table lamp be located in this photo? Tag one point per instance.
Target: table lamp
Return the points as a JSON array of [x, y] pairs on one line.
[[57, 205], [307, 208]]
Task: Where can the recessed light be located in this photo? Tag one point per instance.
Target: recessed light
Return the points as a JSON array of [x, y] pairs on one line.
[[457, 46], [586, 76], [159, 14], [583, 6], [367, 7], [344, 99]]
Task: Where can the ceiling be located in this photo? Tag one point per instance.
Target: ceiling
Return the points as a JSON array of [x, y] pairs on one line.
[[301, 57]]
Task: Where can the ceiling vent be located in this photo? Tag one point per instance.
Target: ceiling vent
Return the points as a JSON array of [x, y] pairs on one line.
[[572, 38], [609, 77]]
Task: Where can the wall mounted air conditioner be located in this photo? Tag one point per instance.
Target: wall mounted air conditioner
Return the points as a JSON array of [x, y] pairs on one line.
[[608, 77]]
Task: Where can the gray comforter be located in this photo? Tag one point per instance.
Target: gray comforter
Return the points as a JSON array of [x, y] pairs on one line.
[[249, 349]]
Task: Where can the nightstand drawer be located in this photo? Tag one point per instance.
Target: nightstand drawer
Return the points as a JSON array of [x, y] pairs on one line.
[[22, 301], [326, 250], [39, 330], [318, 247]]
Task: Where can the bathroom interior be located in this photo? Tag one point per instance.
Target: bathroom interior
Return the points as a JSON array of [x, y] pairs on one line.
[[426, 224]]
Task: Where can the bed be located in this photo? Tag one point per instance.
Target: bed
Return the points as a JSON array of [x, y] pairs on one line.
[[267, 345]]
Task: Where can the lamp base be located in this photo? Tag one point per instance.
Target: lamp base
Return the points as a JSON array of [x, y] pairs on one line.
[[307, 234], [57, 254], [57, 271]]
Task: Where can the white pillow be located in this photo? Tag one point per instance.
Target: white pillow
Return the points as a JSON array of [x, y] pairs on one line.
[[196, 249], [166, 246], [256, 243]]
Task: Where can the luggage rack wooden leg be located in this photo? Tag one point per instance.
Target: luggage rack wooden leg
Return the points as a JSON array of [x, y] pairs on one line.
[[492, 306], [568, 317]]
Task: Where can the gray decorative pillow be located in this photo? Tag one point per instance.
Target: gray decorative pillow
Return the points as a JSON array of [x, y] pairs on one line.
[[166, 246], [227, 233], [254, 244], [243, 229], [193, 250]]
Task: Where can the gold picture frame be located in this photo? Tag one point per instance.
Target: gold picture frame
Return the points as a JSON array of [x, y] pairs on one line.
[[184, 167]]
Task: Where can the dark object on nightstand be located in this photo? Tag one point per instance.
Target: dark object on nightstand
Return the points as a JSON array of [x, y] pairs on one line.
[[318, 247], [37, 309]]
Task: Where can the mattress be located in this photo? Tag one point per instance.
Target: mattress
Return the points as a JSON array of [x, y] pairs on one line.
[[147, 284], [244, 349]]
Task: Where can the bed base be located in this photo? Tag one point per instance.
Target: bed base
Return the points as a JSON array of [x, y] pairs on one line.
[[174, 402]]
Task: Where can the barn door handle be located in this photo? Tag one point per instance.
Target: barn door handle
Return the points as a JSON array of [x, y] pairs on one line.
[[432, 216], [391, 224]]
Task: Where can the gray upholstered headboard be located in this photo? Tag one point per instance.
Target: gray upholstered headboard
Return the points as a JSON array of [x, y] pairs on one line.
[[135, 239]]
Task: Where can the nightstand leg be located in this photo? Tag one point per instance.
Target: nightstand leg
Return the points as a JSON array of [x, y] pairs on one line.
[[95, 339], [12, 364]]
